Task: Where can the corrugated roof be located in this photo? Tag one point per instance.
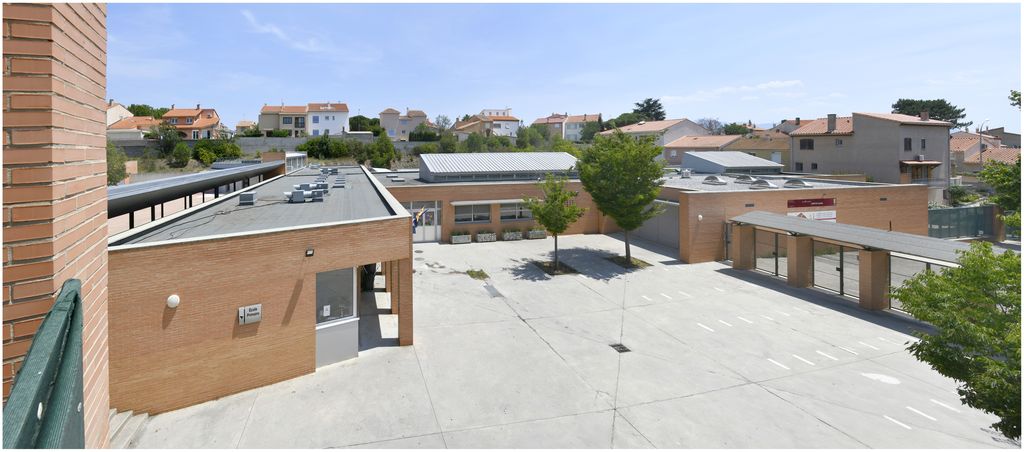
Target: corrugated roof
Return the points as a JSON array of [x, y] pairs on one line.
[[914, 245], [730, 159], [498, 162], [704, 141], [646, 126]]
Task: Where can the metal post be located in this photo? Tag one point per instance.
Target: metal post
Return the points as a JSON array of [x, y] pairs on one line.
[[152, 213], [161, 210], [216, 192], [131, 219]]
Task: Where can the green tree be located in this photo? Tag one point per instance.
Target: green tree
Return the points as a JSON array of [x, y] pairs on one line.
[[530, 137], [280, 133], [622, 176], [382, 152], [443, 123], [560, 145], [735, 129], [475, 143], [359, 123], [1015, 98], [205, 156], [557, 211], [650, 109], [589, 130], [146, 110], [937, 109], [167, 138], [147, 164], [975, 310], [425, 148], [624, 119], [253, 131], [1005, 181], [180, 156], [448, 143], [423, 133], [116, 158]]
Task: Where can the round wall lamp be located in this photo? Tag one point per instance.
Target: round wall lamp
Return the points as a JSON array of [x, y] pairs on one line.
[[173, 301], [700, 217]]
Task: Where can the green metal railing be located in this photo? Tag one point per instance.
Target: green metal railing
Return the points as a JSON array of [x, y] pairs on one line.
[[45, 408], [956, 222]]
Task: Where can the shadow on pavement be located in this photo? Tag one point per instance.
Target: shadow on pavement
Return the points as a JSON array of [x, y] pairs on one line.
[[371, 316]]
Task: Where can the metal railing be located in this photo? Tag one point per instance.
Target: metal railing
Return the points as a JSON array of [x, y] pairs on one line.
[[45, 408], [956, 222]]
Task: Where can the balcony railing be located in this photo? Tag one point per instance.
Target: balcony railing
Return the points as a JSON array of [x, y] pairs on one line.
[[45, 408]]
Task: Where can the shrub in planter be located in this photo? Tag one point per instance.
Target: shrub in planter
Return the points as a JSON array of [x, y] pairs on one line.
[[461, 237], [486, 236], [536, 233], [512, 234]]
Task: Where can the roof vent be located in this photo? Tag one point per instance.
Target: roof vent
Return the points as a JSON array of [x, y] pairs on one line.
[[744, 179], [685, 173], [762, 184], [318, 196], [247, 199], [796, 183], [398, 179], [296, 196], [714, 180]]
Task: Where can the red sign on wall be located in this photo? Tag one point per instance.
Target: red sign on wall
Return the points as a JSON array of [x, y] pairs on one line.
[[820, 202]]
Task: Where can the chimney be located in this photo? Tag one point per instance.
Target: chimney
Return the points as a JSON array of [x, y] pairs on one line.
[[172, 106], [110, 103], [924, 115], [797, 120], [197, 106], [831, 122]]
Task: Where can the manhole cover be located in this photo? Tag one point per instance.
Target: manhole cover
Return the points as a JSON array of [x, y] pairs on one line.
[[421, 259], [619, 348], [418, 251]]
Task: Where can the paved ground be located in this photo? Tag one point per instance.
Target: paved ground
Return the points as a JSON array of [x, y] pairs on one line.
[[719, 359]]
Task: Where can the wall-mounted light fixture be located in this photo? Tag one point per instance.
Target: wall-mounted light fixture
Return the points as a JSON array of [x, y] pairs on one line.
[[309, 252], [700, 217], [173, 301]]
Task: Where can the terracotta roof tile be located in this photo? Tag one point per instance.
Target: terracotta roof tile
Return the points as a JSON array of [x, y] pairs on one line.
[[416, 114], [583, 118], [135, 122], [844, 126], [701, 142], [390, 111], [327, 107], [905, 119], [760, 143], [646, 126], [286, 109], [1001, 154], [555, 118], [182, 113]]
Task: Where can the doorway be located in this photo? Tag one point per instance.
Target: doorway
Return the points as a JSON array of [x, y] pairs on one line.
[[427, 220], [337, 319]]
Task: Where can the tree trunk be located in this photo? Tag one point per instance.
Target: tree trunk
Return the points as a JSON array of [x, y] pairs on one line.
[[629, 259], [555, 271]]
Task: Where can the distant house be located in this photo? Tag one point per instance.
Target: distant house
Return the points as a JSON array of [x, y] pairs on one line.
[[489, 122], [1009, 139], [131, 128], [326, 118], [244, 125], [291, 118], [116, 112], [674, 151], [567, 127], [312, 119], [664, 132], [194, 123], [399, 126], [768, 145], [969, 150], [789, 125], [886, 147]]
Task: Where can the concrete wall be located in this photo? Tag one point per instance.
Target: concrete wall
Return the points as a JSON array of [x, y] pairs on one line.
[[162, 359], [905, 209], [54, 198]]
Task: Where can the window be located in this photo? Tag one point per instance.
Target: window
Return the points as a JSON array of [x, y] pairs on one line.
[[673, 153], [316, 119], [923, 145], [515, 212], [799, 166], [839, 142], [188, 120], [908, 144], [300, 122], [336, 295], [807, 144], [391, 132], [403, 121], [209, 134], [316, 132], [173, 120], [195, 134], [814, 166], [479, 213], [496, 126], [286, 120]]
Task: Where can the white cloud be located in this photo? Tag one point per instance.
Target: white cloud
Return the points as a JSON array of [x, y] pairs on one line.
[[767, 88], [309, 44]]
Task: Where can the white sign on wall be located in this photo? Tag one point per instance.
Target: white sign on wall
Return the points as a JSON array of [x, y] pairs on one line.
[[250, 314], [820, 215]]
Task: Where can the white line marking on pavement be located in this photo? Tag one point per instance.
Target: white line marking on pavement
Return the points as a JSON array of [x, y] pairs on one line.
[[705, 327], [723, 322], [783, 313], [833, 358], [745, 320], [847, 350], [645, 297], [666, 296], [778, 363], [804, 360], [769, 318], [868, 345], [944, 405], [918, 412], [719, 289], [685, 294], [889, 341], [897, 422]]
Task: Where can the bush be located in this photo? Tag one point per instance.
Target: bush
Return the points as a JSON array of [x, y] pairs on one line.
[[205, 156], [167, 138], [423, 133], [147, 164], [116, 171], [179, 156], [278, 133], [253, 131], [428, 148], [448, 143]]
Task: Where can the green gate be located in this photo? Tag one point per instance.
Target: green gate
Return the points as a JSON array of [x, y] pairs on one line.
[[45, 408]]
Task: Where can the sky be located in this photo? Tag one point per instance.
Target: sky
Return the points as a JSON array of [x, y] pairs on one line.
[[734, 62]]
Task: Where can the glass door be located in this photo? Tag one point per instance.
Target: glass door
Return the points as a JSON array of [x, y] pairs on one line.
[[427, 220]]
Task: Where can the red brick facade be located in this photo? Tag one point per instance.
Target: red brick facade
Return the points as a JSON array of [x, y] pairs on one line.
[[54, 208]]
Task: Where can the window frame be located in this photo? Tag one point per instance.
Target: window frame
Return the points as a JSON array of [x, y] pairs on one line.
[[286, 120], [908, 144], [478, 214], [516, 211], [807, 144], [924, 144]]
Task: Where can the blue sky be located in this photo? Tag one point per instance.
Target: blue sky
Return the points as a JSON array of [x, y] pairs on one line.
[[736, 62]]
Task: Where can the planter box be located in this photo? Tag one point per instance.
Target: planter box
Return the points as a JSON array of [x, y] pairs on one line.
[[516, 235], [486, 237], [536, 234], [457, 239]]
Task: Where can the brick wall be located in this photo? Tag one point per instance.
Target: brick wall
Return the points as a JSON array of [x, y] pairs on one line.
[[162, 359], [54, 187]]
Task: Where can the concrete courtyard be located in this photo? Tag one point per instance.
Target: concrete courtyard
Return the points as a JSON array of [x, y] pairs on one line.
[[718, 359]]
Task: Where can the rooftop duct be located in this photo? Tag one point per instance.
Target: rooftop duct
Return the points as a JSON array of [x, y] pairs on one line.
[[247, 199]]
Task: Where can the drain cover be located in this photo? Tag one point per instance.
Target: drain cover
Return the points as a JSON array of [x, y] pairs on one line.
[[418, 251], [620, 348]]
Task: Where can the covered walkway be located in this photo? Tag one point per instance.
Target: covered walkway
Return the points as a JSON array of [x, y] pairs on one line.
[[855, 261]]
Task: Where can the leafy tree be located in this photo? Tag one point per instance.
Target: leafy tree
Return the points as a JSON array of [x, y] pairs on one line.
[[475, 143], [167, 138], [1015, 98], [147, 164], [448, 143], [959, 195], [542, 130], [557, 211], [116, 158], [735, 129], [443, 123], [622, 176], [624, 119], [1005, 181], [423, 133], [253, 131], [650, 109], [359, 123], [589, 130], [976, 313], [712, 125], [560, 145], [497, 143], [146, 110], [382, 152], [204, 156], [280, 133], [529, 137], [425, 148], [937, 108], [180, 156], [465, 117]]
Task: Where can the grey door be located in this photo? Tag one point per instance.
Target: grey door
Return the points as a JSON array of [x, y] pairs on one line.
[[662, 229], [427, 215]]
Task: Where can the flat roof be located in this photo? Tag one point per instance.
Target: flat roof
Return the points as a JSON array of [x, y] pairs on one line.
[[899, 242], [730, 159], [696, 183], [497, 162], [359, 199]]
